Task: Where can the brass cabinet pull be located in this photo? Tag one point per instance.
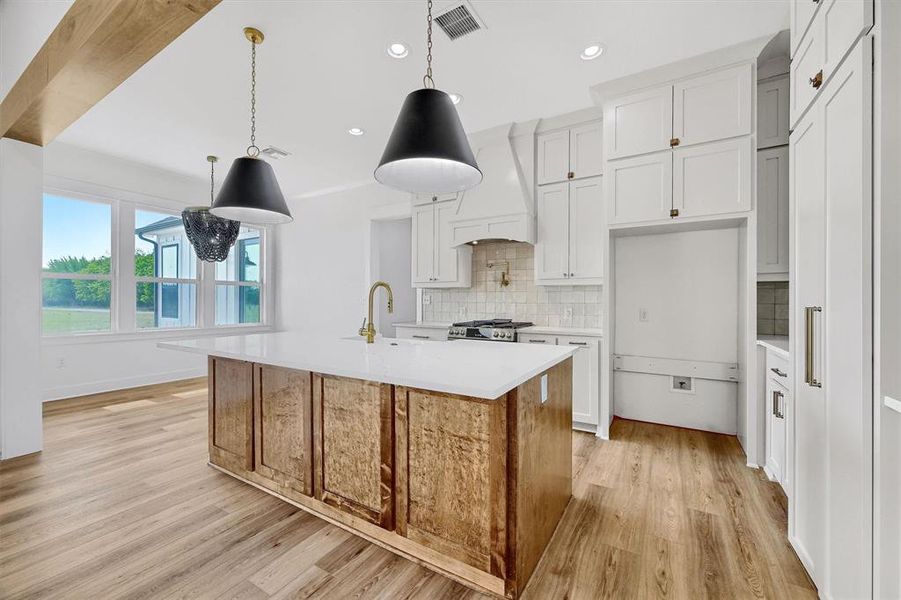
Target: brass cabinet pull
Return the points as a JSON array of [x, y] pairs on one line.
[[817, 80], [809, 341], [778, 372], [673, 213]]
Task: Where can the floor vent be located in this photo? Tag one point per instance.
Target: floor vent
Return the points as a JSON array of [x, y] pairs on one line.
[[458, 20]]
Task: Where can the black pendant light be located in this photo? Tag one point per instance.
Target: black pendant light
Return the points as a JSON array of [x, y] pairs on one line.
[[250, 192], [211, 236], [428, 151]]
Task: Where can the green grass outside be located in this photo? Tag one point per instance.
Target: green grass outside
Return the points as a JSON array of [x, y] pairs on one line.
[[57, 321]]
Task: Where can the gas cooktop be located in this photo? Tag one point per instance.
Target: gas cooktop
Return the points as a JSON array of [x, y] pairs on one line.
[[494, 330]]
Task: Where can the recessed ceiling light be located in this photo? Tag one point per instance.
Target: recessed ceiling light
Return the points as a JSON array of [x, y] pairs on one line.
[[355, 131], [592, 51], [397, 50], [455, 98]]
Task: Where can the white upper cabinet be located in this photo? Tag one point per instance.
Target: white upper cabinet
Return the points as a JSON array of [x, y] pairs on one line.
[[836, 27], [587, 219], [772, 112], [772, 211], [586, 150], [435, 262], [640, 188], [574, 153], [553, 157], [638, 123], [712, 107], [570, 246], [802, 12], [712, 178], [552, 245]]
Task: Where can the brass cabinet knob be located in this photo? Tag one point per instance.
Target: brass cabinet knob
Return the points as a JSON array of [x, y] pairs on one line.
[[570, 175], [673, 142], [817, 80], [674, 212]]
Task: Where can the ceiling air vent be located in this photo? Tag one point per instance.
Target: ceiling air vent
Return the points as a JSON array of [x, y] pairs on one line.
[[458, 19]]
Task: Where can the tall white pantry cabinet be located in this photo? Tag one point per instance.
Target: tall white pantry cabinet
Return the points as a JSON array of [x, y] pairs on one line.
[[830, 513]]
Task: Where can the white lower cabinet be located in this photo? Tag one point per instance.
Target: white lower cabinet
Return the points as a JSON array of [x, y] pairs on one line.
[[586, 374], [778, 408]]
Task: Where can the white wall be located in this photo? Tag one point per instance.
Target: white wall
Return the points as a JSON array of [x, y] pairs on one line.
[[20, 297], [323, 271], [688, 284], [391, 261], [75, 367]]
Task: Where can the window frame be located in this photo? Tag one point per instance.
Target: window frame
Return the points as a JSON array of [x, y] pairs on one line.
[[238, 283], [123, 281]]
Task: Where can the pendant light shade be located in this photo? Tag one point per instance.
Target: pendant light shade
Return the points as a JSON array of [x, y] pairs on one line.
[[428, 151], [250, 194], [212, 237]]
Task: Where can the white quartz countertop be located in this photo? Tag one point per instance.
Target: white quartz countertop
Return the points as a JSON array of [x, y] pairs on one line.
[[779, 343], [578, 331], [465, 367]]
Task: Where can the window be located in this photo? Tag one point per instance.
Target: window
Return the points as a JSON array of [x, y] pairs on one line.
[[165, 272], [76, 266], [238, 281], [110, 266]]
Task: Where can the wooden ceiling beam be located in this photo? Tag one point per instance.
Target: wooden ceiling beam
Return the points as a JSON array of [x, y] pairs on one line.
[[96, 46]]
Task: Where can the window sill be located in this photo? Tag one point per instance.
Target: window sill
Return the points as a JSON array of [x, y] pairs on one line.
[[152, 334]]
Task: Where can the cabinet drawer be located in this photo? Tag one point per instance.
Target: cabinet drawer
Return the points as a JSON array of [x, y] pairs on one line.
[[537, 338], [421, 333], [777, 368]]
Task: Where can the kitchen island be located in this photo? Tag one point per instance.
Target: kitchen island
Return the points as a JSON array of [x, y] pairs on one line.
[[456, 455]]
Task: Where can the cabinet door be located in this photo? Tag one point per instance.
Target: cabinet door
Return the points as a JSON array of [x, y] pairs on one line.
[[283, 422], [586, 150], [552, 245], [587, 219], [772, 210], [776, 411], [806, 64], [713, 107], [446, 262], [640, 188], [772, 113], [231, 414], [840, 23], [451, 454], [586, 370], [553, 157], [802, 12], [353, 432], [423, 244], [713, 178], [638, 123]]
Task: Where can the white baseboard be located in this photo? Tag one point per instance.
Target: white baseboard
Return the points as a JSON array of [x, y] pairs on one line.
[[110, 385], [577, 426]]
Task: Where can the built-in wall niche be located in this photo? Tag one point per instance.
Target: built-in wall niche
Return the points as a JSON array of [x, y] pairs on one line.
[[676, 306]]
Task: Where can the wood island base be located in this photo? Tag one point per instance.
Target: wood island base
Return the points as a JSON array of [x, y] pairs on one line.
[[470, 488]]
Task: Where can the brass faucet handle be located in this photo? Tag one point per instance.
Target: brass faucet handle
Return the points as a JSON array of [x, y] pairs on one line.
[[362, 328]]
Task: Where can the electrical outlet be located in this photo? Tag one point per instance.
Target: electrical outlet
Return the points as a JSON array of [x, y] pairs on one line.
[[643, 315], [568, 312], [60, 363], [426, 298], [462, 312]]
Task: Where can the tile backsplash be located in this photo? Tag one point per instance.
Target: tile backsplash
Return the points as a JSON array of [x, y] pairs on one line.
[[522, 300], [772, 308]]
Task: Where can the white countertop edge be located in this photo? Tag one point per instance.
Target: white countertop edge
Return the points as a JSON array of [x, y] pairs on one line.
[[537, 329], [457, 388], [778, 344]]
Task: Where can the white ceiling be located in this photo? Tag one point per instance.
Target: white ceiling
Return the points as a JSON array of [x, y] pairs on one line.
[[323, 69]]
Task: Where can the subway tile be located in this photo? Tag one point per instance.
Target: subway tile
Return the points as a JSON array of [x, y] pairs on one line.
[[766, 327], [781, 311], [781, 327], [765, 295], [766, 311]]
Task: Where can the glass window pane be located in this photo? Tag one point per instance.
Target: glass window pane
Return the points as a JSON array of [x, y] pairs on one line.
[[237, 304], [162, 248], [243, 262], [77, 236], [165, 305], [75, 305]]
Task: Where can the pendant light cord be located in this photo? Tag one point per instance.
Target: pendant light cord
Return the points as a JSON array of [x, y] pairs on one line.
[[212, 179], [252, 150], [427, 81]]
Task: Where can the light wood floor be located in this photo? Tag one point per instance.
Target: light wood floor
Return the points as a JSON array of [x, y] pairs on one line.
[[121, 504]]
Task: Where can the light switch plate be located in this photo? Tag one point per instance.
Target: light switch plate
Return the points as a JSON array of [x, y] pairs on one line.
[[643, 315], [544, 388], [426, 298]]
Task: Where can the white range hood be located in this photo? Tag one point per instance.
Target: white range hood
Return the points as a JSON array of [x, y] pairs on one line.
[[502, 206]]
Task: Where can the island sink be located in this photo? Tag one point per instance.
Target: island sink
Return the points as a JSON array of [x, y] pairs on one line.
[[439, 467]]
